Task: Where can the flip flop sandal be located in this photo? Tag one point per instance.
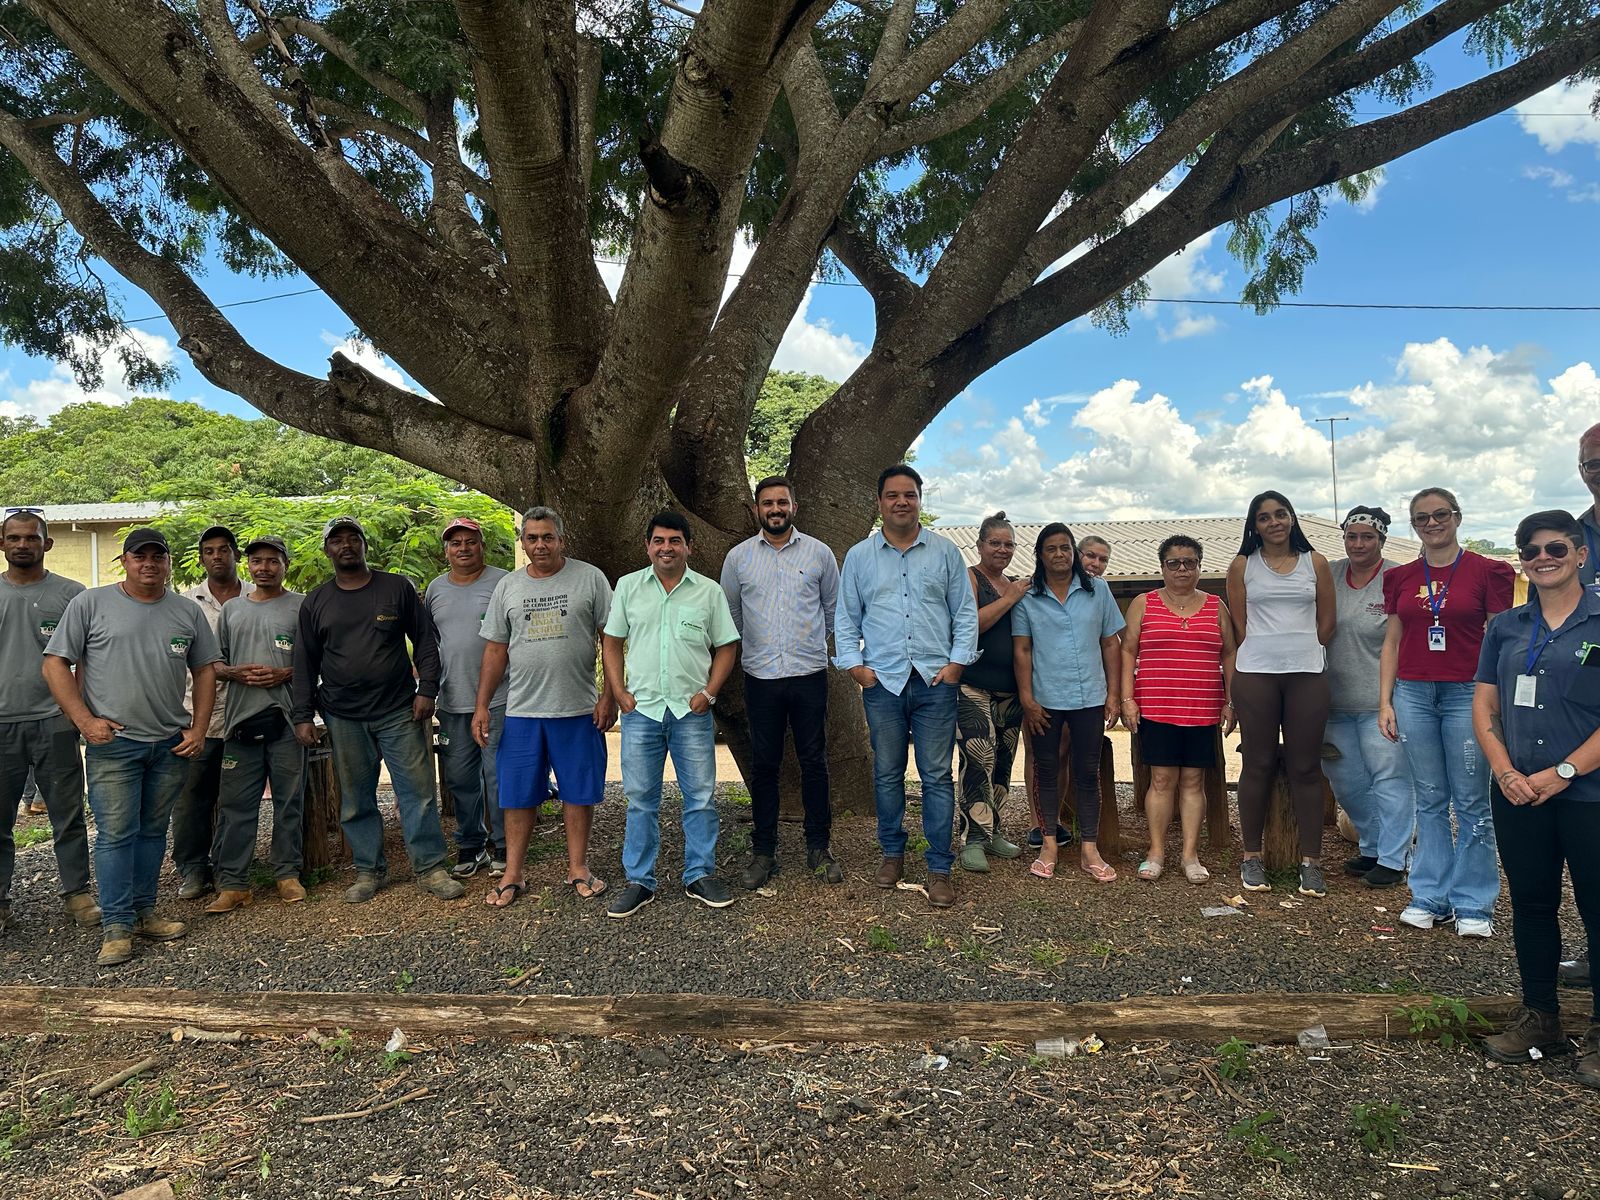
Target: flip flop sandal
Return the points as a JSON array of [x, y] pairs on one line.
[[496, 892], [1150, 869], [1100, 872], [594, 883], [1195, 873], [1042, 870]]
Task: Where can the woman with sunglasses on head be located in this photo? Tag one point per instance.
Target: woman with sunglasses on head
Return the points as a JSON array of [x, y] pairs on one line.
[[1437, 606], [988, 714], [1536, 712], [1369, 774], [1177, 659], [1280, 593]]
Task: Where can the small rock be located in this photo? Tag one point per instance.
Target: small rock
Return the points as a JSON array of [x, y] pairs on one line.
[[1548, 1191], [654, 1058], [1170, 1074], [1446, 1187]]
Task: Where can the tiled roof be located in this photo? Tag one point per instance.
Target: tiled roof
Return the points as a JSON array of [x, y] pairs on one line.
[[1134, 543], [120, 510]]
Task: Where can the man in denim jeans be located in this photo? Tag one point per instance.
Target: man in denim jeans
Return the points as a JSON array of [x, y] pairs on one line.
[[907, 624], [351, 664], [681, 644], [134, 644]]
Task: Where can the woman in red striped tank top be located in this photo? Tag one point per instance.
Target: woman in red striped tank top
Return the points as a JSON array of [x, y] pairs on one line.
[[1177, 657]]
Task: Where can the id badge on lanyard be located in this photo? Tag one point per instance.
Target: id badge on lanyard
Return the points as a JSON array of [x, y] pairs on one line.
[[1436, 637], [1436, 603]]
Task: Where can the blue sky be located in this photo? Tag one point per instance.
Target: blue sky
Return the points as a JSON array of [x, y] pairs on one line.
[[1197, 408]]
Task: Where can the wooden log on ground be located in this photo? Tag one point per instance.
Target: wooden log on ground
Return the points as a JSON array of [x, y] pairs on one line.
[[320, 820], [1219, 831], [1272, 1017]]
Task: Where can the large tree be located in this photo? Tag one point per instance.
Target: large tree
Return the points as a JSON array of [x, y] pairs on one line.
[[446, 172]]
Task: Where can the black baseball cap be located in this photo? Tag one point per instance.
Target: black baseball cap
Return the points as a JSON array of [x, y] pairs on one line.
[[138, 539], [271, 541], [219, 531], [337, 523]]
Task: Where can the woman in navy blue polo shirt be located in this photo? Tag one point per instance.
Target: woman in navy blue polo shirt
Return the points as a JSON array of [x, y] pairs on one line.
[[1536, 711]]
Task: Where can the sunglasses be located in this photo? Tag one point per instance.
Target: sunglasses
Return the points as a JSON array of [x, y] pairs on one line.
[[1180, 564], [1439, 516], [1557, 549]]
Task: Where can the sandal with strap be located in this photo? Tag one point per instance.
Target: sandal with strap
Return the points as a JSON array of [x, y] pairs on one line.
[[1042, 870], [1195, 873], [1100, 872], [499, 891], [595, 885], [1150, 869]]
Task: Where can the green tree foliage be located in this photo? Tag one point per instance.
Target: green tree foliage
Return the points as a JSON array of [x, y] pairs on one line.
[[157, 449], [787, 399], [402, 524]]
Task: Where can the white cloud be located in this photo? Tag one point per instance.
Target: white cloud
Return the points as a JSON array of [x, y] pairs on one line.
[[1369, 198], [365, 354], [1559, 116], [1564, 181], [1188, 325], [1479, 421], [48, 396]]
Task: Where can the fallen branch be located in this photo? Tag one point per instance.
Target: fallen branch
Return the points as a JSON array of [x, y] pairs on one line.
[[189, 1033], [415, 1094], [122, 1077]]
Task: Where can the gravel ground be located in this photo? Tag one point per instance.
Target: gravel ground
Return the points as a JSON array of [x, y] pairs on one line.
[[662, 1119]]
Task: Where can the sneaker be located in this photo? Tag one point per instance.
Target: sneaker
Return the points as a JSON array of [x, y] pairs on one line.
[[1253, 875], [194, 885], [365, 887], [1418, 917], [1478, 927], [1036, 838], [158, 929], [1001, 848], [1311, 881], [1527, 1037], [80, 907], [438, 882], [823, 865], [710, 891], [1588, 1072], [1381, 877], [757, 871], [1574, 974], [116, 946], [629, 900], [468, 865], [1360, 864], [497, 861], [941, 892]]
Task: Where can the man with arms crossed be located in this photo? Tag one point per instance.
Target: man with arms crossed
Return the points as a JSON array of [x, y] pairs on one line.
[[34, 735], [907, 625], [781, 587], [134, 644], [540, 635]]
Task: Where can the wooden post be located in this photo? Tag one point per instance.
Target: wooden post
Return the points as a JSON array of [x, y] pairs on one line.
[[1280, 842], [1218, 826], [320, 820]]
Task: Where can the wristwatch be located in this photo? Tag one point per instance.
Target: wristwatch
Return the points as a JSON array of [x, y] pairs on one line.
[[1566, 770], [710, 699]]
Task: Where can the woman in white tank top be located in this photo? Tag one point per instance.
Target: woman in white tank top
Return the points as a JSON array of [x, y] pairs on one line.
[[1280, 594]]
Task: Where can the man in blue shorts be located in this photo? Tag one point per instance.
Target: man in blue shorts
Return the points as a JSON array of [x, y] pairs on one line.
[[541, 634]]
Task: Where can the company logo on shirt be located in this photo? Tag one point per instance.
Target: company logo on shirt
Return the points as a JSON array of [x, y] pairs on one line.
[[179, 646], [284, 642], [47, 627], [387, 617]]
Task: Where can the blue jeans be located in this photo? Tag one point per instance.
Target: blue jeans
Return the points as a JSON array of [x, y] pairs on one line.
[[402, 744], [468, 771], [925, 717], [1454, 870], [132, 788], [1372, 782], [691, 740]]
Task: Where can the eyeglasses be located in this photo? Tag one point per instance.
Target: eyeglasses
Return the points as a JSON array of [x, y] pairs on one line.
[[1000, 545], [1590, 466], [1559, 548], [1181, 564], [1439, 516]]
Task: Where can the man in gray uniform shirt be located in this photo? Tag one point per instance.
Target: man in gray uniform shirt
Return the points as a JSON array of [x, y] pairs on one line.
[[259, 745], [34, 735], [457, 602], [134, 644]]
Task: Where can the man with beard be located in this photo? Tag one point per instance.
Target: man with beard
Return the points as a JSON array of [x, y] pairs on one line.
[[781, 587], [36, 740]]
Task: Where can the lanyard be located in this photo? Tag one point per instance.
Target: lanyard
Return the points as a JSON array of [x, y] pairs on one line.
[[1535, 651], [1436, 603]]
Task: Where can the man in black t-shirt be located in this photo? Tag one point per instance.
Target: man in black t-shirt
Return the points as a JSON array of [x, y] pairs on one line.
[[351, 664]]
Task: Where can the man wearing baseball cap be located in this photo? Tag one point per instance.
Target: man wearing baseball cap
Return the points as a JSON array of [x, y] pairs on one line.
[[457, 602], [257, 635], [194, 817], [134, 644], [351, 664]]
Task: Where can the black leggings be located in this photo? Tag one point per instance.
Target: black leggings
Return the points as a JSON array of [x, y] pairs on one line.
[[1086, 727], [1534, 841], [1297, 704]]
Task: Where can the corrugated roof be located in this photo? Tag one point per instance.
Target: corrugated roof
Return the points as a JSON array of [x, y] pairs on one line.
[[120, 510], [1134, 543]]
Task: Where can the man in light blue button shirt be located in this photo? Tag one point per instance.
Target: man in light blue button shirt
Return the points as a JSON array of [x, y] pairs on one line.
[[906, 626]]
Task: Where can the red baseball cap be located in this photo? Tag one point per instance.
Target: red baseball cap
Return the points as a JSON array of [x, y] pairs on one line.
[[462, 523]]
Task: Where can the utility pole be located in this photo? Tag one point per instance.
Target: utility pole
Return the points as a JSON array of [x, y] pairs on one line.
[[1333, 462]]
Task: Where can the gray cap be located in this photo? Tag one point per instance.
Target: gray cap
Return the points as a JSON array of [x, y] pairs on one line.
[[272, 541], [338, 523]]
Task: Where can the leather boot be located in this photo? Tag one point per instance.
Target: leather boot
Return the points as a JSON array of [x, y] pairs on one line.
[[1527, 1031]]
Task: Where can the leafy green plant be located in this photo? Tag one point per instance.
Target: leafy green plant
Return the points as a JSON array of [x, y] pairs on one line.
[[931, 940], [393, 1060], [1047, 955], [919, 845], [879, 938], [264, 1165], [974, 949], [1233, 1059], [404, 980], [1377, 1126], [36, 836], [1258, 1144], [339, 1046], [737, 794], [160, 1115], [1445, 1019]]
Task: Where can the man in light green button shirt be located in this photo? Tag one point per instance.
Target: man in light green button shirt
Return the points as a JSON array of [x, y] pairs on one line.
[[680, 640]]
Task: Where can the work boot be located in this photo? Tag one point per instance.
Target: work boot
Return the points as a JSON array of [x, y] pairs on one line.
[[1588, 1072], [116, 946], [1001, 848], [941, 892], [1527, 1031], [194, 885], [229, 899], [365, 887], [290, 891], [437, 882], [757, 871], [1574, 974], [81, 908], [823, 865], [890, 871], [158, 929]]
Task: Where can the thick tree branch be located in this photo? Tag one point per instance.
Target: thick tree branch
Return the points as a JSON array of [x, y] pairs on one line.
[[938, 52], [892, 45], [811, 101], [890, 288], [452, 179]]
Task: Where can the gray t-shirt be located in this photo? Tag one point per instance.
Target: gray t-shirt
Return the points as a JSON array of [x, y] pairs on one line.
[[1357, 639], [458, 612], [133, 657], [259, 633], [28, 616], [552, 627]]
